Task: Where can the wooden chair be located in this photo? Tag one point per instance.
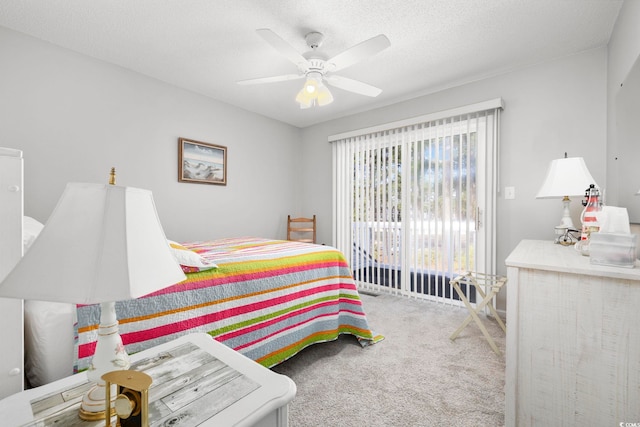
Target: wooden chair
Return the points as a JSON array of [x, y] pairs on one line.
[[301, 229]]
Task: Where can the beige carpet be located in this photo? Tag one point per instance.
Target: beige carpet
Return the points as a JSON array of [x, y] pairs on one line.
[[416, 377]]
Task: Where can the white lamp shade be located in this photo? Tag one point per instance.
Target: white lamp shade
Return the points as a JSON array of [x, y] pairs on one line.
[[102, 243], [566, 177]]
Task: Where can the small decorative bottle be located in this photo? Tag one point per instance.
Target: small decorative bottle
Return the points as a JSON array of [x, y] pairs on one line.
[[589, 217]]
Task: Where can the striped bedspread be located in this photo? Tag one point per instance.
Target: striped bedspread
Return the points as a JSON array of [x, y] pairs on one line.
[[268, 299]]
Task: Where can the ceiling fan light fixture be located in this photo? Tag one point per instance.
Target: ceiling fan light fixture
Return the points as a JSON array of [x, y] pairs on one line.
[[324, 96], [310, 86], [304, 98], [314, 81], [314, 92]]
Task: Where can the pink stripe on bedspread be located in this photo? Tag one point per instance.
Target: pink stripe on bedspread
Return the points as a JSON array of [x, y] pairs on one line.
[[268, 299]]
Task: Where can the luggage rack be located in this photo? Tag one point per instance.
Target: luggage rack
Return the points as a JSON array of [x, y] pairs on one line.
[[487, 286]]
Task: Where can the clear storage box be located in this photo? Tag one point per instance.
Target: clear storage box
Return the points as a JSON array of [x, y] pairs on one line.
[[613, 249]]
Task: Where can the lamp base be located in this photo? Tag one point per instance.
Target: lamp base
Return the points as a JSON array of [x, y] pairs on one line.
[[109, 355], [93, 407], [566, 220]]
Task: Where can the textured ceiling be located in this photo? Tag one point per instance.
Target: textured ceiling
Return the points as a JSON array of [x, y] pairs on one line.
[[205, 46]]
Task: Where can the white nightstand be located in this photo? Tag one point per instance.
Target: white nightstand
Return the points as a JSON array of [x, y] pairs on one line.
[[196, 382]]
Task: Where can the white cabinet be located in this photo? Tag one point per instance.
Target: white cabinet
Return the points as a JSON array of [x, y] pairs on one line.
[[11, 355], [573, 339], [11, 329]]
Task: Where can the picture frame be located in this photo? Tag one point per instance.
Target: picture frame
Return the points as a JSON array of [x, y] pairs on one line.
[[201, 162]]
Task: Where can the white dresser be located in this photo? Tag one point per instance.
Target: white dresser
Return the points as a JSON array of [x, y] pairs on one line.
[[573, 339]]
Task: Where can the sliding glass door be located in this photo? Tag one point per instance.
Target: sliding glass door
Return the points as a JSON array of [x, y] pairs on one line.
[[415, 203]]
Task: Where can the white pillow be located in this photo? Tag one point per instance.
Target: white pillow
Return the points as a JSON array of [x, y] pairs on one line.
[[189, 260], [30, 230]]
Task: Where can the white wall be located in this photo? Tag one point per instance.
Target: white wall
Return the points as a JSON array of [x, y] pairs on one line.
[[75, 117], [624, 50], [550, 108]]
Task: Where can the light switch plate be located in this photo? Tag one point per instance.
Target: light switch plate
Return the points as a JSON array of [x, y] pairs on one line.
[[509, 193]]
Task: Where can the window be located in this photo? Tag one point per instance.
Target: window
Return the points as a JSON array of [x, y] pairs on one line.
[[414, 201]]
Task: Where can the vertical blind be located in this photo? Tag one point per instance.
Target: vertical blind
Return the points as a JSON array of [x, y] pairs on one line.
[[414, 201]]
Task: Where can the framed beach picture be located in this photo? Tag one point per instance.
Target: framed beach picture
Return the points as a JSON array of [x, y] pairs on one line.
[[201, 162]]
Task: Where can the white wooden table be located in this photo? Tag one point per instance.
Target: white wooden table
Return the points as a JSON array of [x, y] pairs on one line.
[[196, 382]]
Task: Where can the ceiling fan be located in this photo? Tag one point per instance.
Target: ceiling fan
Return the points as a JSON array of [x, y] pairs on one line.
[[316, 68]]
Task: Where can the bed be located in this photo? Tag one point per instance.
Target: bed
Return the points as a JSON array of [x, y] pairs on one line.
[[267, 299]]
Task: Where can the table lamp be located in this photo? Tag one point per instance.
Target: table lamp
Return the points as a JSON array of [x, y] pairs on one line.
[[566, 177], [101, 244]]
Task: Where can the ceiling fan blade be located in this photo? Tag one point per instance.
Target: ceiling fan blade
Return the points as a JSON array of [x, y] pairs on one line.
[[359, 52], [353, 86], [273, 79], [282, 46]]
